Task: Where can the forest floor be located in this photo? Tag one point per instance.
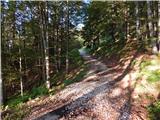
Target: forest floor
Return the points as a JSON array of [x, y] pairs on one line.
[[106, 93]]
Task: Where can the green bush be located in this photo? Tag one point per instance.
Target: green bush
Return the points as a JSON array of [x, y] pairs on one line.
[[75, 57], [38, 91], [14, 101], [35, 92]]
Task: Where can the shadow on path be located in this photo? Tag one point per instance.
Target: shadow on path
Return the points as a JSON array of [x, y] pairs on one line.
[[82, 101]]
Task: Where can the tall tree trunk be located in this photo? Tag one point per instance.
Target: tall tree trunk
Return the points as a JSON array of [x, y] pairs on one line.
[[42, 41], [60, 39], [158, 45], [126, 23], [25, 60], [20, 66], [1, 82], [47, 47], [150, 26], [57, 39], [67, 47], [45, 42], [137, 20]]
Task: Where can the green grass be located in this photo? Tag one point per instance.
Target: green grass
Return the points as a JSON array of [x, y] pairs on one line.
[[154, 76], [35, 92], [154, 111], [144, 64], [16, 113]]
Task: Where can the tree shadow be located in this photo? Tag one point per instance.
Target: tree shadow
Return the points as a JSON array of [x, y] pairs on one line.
[[82, 101]]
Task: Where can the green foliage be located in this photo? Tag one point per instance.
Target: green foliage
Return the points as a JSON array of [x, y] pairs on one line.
[[154, 111], [75, 57], [153, 76], [35, 92], [14, 101], [16, 113], [144, 63], [38, 91]]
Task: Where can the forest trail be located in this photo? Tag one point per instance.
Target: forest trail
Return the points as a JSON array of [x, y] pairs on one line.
[[101, 95]]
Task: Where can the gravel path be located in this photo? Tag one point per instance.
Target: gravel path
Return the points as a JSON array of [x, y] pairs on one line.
[[100, 96]]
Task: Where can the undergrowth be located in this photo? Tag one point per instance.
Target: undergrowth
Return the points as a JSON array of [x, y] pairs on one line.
[[148, 68], [14, 108], [154, 111]]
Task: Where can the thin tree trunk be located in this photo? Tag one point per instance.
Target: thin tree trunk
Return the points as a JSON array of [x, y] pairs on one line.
[[57, 41], [20, 66], [158, 46], [67, 47], [1, 82], [127, 23], [137, 20], [25, 60], [42, 43], [150, 25], [47, 48], [45, 42]]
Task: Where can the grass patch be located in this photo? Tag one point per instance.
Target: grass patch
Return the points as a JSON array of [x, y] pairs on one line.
[[154, 76], [35, 92], [144, 64], [154, 111], [16, 113]]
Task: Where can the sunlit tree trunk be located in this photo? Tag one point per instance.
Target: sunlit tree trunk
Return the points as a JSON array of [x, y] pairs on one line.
[[45, 42], [47, 47]]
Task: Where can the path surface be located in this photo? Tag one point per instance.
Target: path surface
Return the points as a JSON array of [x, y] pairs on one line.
[[99, 96]]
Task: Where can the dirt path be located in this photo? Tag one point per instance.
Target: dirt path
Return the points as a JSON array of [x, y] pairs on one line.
[[102, 95]]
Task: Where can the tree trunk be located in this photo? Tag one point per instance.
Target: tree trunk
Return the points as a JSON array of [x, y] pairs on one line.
[[137, 20], [150, 27], [47, 47], [42, 42], [67, 47], [20, 66], [126, 23], [158, 45], [1, 82], [45, 42]]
